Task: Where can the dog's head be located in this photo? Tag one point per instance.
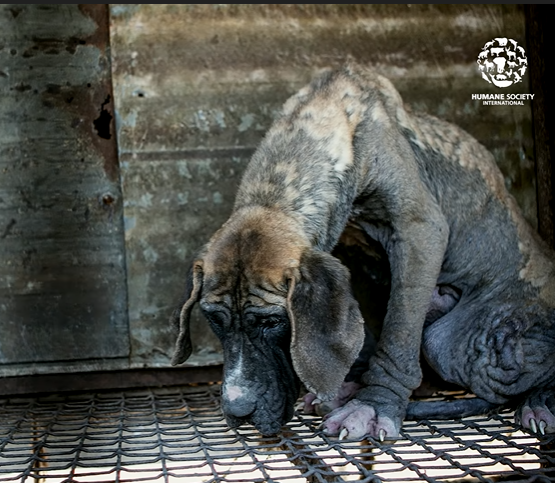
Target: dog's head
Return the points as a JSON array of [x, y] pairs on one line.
[[283, 311]]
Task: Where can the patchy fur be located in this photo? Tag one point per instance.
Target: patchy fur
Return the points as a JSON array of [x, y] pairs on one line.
[[472, 285]]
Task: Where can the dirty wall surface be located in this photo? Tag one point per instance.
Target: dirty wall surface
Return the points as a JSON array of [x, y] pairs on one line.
[[196, 86], [105, 195], [62, 265]]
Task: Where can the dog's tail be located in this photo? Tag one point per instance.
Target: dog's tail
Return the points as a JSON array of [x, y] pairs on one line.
[[455, 408]]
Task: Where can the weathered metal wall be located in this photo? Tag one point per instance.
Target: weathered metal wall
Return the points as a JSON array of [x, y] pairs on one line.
[[62, 278], [196, 86], [541, 39]]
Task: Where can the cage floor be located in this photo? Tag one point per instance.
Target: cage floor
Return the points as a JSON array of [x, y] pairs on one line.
[[178, 434]]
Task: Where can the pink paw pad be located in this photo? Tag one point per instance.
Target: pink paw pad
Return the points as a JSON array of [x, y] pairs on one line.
[[356, 420], [307, 405], [538, 420]]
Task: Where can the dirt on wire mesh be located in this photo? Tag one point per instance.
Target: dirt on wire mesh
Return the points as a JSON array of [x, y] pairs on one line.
[[179, 434]]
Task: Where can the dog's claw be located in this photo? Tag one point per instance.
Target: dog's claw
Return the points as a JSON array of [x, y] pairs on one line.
[[343, 434], [300, 406], [316, 401], [381, 435], [543, 425], [533, 426]]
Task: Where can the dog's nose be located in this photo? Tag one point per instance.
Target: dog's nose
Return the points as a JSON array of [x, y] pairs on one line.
[[237, 403], [239, 408]]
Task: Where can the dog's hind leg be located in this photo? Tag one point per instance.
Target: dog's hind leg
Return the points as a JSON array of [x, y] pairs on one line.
[[502, 354], [537, 412]]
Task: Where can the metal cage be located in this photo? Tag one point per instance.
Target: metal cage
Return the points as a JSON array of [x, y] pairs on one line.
[[179, 434]]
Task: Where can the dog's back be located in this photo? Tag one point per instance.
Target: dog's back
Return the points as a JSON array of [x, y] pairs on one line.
[[332, 123], [345, 150]]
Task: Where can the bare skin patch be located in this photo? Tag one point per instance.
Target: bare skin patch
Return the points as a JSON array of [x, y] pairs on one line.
[[328, 124], [453, 143], [538, 269], [343, 149], [331, 118], [293, 102]]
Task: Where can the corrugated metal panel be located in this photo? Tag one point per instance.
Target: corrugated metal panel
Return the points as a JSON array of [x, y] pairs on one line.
[[62, 278], [196, 87]]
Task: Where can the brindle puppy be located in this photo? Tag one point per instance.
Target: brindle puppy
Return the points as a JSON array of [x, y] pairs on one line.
[[472, 285]]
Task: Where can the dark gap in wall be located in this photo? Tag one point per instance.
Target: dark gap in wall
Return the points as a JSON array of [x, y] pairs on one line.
[[102, 122]]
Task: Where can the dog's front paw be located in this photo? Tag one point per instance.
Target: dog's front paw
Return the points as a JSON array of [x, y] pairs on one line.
[[357, 419], [310, 404], [537, 413]]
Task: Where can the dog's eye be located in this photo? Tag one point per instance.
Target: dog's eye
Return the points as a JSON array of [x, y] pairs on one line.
[[216, 317], [270, 322]]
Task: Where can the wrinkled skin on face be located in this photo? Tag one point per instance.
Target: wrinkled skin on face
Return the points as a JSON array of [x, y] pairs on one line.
[[260, 386], [283, 312], [244, 299]]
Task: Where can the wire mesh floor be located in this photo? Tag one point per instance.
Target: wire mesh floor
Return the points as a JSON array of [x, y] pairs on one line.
[[179, 434]]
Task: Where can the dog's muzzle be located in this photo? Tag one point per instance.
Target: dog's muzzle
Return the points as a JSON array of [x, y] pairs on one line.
[[245, 406], [240, 408]]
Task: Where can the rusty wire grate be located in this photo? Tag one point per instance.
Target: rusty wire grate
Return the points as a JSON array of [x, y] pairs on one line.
[[178, 434]]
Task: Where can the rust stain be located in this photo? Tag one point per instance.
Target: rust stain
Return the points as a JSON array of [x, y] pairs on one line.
[[90, 106], [99, 14], [103, 122], [90, 109], [61, 103]]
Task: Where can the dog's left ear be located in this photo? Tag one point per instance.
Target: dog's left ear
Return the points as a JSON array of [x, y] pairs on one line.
[[180, 316], [327, 328]]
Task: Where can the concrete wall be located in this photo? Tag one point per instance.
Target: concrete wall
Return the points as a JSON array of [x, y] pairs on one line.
[[196, 86]]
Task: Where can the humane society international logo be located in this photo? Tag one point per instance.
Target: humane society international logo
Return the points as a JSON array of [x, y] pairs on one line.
[[502, 62]]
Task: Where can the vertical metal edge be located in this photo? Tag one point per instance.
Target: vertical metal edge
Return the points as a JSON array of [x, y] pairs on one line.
[[538, 39], [100, 15]]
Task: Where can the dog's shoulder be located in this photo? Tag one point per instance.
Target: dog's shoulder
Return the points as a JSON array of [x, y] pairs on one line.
[[315, 137], [361, 90]]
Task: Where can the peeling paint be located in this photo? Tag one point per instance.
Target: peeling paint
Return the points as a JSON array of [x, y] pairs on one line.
[[130, 119], [201, 121], [183, 170], [150, 255], [217, 198], [130, 222], [246, 122], [145, 200], [183, 198], [219, 117]]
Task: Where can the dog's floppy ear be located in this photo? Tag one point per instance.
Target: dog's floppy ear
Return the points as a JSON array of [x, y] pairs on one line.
[[327, 329], [180, 316]]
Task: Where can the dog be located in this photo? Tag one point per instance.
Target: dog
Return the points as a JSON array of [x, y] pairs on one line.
[[472, 285]]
